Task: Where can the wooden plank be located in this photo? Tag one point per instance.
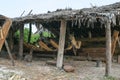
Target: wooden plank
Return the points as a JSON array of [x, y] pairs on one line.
[[108, 49], [5, 30], [96, 39], [93, 50], [61, 44]]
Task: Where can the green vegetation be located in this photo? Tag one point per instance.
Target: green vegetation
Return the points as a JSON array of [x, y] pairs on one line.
[[109, 78], [34, 37], [47, 34]]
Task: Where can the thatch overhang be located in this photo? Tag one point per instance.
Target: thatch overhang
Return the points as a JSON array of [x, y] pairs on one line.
[[69, 14], [87, 18]]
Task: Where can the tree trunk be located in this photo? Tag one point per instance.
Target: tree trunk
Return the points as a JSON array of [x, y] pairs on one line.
[[61, 44], [21, 42], [108, 49]]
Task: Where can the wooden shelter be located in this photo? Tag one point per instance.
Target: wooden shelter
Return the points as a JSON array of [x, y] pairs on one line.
[[5, 24], [83, 23]]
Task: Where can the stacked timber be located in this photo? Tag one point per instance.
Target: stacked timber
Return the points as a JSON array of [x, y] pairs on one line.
[[94, 53]]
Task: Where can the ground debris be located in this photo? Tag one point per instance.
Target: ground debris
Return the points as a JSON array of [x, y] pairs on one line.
[[16, 77], [39, 70]]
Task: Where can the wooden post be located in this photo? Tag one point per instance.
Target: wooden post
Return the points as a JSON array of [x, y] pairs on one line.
[[90, 34], [108, 49], [118, 59], [30, 30], [11, 40], [21, 42], [61, 44], [10, 55]]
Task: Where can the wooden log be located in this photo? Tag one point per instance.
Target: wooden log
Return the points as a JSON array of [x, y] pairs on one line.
[[44, 46], [21, 42], [100, 49], [11, 40], [118, 59], [114, 41], [54, 44], [76, 44], [108, 49], [98, 39], [5, 30], [1, 33], [119, 41], [61, 44], [12, 60]]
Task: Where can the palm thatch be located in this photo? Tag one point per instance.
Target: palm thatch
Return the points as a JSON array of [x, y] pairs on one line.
[[70, 14]]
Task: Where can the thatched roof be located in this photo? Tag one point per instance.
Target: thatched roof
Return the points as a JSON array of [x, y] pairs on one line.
[[103, 9], [70, 14]]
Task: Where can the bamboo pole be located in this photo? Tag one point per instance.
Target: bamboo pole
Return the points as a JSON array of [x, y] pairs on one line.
[[108, 49], [61, 44]]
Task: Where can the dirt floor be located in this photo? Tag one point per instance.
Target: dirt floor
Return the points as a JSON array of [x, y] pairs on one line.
[[39, 70]]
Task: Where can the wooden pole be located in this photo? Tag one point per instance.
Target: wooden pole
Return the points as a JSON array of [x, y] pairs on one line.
[[10, 55], [30, 30], [114, 41], [61, 44], [108, 49], [11, 41], [21, 42]]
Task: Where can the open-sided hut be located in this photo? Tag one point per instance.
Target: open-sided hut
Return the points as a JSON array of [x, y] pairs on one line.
[[88, 22]]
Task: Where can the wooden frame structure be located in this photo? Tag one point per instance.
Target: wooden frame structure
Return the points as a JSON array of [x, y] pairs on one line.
[[4, 32], [74, 15]]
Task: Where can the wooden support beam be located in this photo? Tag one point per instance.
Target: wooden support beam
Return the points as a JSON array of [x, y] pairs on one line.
[[114, 41], [30, 30], [119, 41], [21, 41], [4, 31], [10, 55], [108, 49], [10, 39], [1, 33], [61, 44]]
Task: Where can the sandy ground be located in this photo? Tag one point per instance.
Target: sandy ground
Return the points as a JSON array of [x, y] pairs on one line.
[[39, 70]]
